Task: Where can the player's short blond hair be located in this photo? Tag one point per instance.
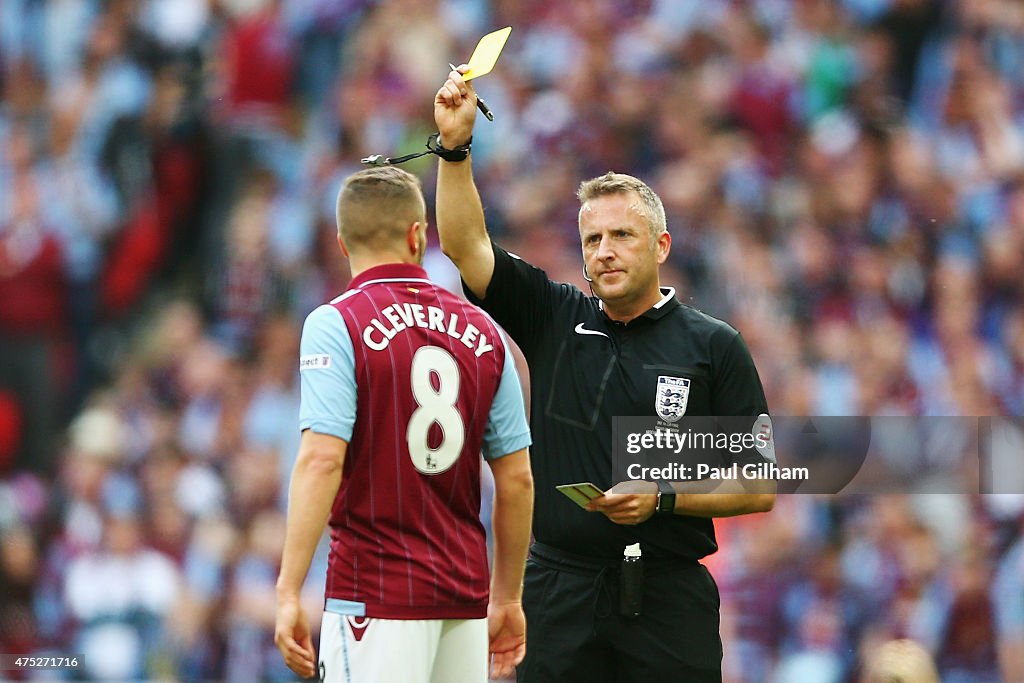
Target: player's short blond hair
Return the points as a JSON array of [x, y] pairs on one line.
[[377, 205], [620, 183]]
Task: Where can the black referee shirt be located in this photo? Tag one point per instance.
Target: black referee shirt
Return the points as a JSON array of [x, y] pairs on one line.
[[585, 369]]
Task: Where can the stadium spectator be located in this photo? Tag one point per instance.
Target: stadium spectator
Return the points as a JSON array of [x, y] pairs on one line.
[[33, 299], [121, 628], [19, 564], [900, 661]]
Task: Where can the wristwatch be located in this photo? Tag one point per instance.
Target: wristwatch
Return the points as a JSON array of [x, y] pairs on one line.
[[666, 504]]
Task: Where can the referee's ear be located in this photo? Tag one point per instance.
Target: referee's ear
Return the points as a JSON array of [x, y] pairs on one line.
[[663, 244]]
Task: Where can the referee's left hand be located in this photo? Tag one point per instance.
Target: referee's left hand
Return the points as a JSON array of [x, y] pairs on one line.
[[625, 508]]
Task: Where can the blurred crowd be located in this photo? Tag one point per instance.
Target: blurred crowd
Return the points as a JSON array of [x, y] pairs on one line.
[[844, 183]]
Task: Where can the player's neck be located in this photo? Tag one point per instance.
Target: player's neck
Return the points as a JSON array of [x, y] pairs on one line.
[[360, 264]]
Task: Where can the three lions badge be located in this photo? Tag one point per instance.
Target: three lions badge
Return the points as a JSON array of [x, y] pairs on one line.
[[670, 399]]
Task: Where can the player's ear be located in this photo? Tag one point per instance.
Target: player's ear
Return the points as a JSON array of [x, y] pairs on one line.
[[341, 245], [412, 237]]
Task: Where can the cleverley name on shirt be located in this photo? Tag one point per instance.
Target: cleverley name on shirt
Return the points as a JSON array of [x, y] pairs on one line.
[[397, 317]]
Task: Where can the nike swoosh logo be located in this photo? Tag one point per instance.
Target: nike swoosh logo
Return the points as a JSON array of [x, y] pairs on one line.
[[582, 330]]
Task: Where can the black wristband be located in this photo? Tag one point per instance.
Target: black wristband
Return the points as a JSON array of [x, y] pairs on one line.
[[459, 153]]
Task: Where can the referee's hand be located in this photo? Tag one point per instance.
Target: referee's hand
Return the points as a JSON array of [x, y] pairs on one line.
[[455, 109], [628, 507]]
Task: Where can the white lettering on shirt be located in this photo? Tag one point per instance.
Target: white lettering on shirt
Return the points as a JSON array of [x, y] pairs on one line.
[[394, 319]]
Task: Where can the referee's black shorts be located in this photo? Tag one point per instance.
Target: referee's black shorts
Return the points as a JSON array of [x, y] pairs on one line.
[[575, 632]]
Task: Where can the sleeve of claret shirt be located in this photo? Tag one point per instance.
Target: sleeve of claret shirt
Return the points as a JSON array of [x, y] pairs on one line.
[[327, 375], [507, 430]]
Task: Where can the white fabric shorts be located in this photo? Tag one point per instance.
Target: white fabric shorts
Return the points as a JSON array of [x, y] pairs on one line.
[[357, 649]]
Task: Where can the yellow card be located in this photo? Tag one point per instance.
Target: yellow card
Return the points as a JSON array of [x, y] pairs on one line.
[[581, 494], [486, 53]]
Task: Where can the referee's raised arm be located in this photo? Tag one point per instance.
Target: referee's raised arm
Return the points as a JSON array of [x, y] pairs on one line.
[[460, 216]]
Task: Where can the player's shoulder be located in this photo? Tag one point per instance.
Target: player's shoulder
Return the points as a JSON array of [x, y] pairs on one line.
[[347, 299], [449, 299], [358, 302], [480, 317], [324, 315], [347, 296]]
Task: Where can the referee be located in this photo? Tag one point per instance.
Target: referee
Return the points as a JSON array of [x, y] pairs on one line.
[[592, 359]]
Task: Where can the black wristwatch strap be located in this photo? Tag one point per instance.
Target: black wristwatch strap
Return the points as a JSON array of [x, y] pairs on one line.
[[666, 498]]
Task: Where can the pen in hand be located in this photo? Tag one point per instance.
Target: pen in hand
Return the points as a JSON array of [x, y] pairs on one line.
[[480, 104]]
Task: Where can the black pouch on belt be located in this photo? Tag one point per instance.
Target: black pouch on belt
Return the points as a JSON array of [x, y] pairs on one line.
[[631, 586]]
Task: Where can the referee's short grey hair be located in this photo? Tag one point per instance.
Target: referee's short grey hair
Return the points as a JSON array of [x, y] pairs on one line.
[[620, 183]]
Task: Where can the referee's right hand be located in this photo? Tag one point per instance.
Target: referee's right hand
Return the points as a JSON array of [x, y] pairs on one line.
[[627, 503], [292, 637], [455, 109]]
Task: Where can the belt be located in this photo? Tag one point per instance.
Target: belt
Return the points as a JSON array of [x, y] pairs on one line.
[[602, 570], [556, 558]]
